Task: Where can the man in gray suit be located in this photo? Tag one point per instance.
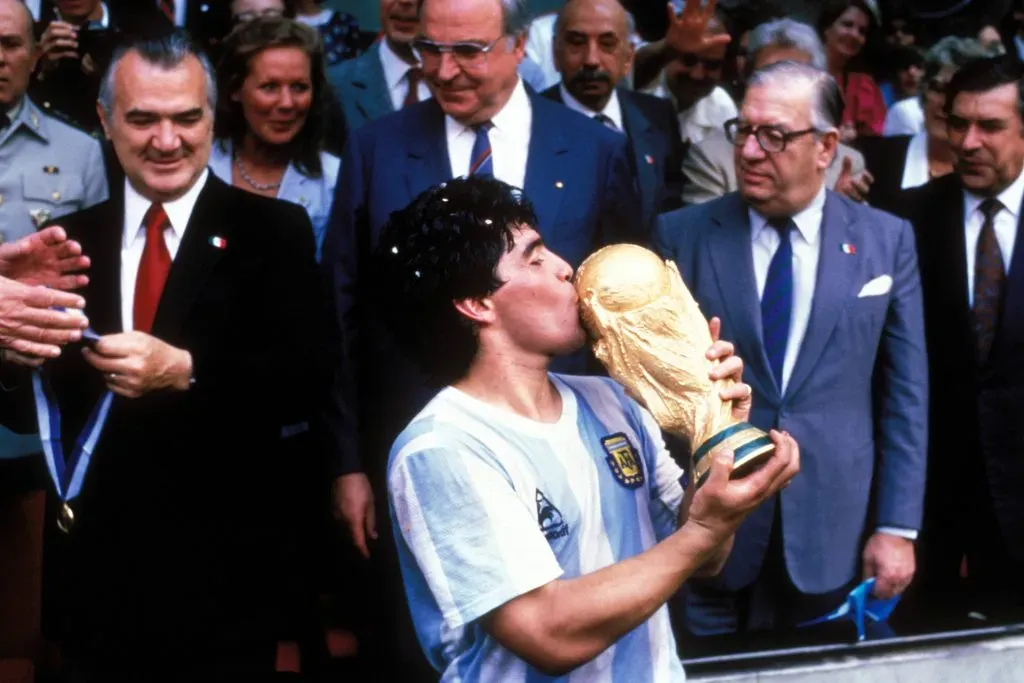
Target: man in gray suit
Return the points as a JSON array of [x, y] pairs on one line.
[[708, 164], [823, 299]]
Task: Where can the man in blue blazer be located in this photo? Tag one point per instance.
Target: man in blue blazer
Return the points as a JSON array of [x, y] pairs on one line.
[[823, 299], [593, 53]]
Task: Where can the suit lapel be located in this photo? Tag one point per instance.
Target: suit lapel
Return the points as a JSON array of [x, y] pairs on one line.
[[428, 161], [103, 297], [643, 142], [1011, 325], [835, 278], [546, 165], [369, 85], [733, 262], [195, 259]]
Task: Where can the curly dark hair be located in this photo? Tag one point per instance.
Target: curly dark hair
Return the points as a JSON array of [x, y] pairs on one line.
[[247, 40], [444, 247]]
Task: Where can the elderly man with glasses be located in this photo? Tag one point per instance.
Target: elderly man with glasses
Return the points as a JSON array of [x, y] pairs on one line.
[[822, 296]]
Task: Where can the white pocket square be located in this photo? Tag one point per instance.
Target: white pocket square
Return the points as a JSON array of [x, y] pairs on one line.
[[880, 285]]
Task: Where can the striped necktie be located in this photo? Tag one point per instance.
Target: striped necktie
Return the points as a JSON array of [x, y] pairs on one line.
[[777, 299], [481, 162], [989, 281]]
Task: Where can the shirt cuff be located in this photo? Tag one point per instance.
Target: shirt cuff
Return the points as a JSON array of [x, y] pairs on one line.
[[910, 534]]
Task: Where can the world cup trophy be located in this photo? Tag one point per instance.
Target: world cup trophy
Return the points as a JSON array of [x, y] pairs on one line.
[[648, 331]]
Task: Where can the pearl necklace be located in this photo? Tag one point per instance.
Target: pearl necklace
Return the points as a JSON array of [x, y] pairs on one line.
[[262, 187]]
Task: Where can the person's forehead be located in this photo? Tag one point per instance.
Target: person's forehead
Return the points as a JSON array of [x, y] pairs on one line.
[[856, 15], [997, 103], [13, 20], [238, 6], [151, 87], [280, 59], [455, 20], [770, 54], [771, 104], [595, 17]]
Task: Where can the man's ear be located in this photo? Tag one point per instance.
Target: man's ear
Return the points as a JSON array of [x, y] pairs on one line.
[[479, 311], [103, 119]]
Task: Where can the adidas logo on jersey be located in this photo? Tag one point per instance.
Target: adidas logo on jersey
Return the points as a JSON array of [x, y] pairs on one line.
[[550, 519]]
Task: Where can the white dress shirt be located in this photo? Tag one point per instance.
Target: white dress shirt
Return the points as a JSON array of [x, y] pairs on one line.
[[135, 207], [805, 241], [708, 114], [539, 49], [905, 117], [915, 167], [1006, 221], [396, 76], [613, 110], [510, 140]]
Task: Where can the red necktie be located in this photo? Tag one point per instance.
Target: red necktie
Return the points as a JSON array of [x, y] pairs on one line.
[[413, 76], [168, 8], [153, 269]]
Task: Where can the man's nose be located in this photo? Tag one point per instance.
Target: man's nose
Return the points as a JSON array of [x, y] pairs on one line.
[[448, 68], [166, 138]]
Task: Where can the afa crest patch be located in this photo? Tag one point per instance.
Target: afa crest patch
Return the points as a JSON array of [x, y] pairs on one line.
[[623, 460]]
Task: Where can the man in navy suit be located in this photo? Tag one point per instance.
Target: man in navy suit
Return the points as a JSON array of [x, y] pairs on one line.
[[593, 52], [972, 273], [822, 297]]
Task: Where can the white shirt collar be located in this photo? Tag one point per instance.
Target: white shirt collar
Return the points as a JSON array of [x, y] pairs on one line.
[[178, 212], [808, 221], [510, 119], [1010, 198], [394, 67], [612, 109]]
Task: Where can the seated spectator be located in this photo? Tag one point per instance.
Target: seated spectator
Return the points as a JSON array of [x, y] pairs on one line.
[[247, 10], [844, 27], [270, 117], [906, 66], [905, 161], [709, 166], [897, 30], [338, 30]]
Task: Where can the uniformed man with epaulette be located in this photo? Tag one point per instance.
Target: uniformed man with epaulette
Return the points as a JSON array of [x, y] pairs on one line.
[[48, 168]]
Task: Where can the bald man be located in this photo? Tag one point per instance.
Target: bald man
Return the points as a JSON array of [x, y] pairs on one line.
[[593, 54]]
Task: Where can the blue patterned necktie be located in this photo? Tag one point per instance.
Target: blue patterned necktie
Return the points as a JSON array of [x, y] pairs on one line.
[[481, 162], [989, 281], [777, 300]]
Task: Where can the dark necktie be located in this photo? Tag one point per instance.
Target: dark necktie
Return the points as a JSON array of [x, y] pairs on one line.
[[413, 76], [480, 161], [153, 269], [605, 121], [989, 281], [777, 300]]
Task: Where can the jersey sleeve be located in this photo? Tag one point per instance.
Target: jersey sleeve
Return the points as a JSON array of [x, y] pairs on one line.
[[475, 543]]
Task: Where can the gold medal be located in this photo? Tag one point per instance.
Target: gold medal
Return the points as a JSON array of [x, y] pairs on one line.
[[66, 518]]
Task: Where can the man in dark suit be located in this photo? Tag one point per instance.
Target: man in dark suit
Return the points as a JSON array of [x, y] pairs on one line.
[[593, 52], [972, 272], [822, 297], [207, 304]]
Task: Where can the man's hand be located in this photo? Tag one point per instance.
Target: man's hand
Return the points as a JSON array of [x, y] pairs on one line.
[[853, 185], [890, 559], [59, 41], [729, 367], [352, 503], [46, 258], [687, 31], [28, 324], [135, 364], [721, 504]]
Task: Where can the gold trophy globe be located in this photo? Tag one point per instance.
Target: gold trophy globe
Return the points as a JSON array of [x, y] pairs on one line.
[[648, 331]]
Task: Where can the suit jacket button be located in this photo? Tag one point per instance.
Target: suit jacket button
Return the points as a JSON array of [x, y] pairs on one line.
[[56, 196]]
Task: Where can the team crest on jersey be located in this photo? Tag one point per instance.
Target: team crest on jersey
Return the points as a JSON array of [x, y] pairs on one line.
[[623, 460], [550, 519]]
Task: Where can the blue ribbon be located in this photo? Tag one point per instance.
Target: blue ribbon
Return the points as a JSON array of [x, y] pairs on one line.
[[868, 613], [67, 475]]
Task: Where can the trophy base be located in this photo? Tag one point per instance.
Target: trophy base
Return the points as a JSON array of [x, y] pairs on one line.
[[750, 447]]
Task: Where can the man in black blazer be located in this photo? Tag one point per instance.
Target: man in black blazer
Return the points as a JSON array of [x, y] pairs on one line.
[[972, 271], [593, 53], [207, 303]]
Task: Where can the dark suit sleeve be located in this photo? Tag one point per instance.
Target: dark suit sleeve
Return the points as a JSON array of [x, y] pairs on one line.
[[902, 382], [674, 178], [621, 215], [663, 243], [17, 404], [340, 270]]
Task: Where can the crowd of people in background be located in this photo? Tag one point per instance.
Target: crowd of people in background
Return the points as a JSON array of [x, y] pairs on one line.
[[327, 280]]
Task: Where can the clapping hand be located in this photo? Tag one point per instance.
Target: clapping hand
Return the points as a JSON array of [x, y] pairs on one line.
[[47, 258]]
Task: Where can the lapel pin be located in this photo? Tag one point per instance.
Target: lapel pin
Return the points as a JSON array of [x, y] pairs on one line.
[[39, 217], [51, 170], [559, 184], [649, 158], [848, 248], [219, 242]]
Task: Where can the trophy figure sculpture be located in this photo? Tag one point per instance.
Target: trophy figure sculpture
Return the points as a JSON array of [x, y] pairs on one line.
[[649, 333]]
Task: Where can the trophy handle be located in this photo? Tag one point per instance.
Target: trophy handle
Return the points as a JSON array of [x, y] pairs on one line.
[[750, 446]]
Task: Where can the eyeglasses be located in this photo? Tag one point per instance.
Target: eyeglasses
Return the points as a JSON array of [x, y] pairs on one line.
[[243, 17], [463, 52], [772, 139], [690, 60]]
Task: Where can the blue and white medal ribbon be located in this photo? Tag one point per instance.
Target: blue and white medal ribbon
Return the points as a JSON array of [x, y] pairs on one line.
[[68, 476], [867, 612]]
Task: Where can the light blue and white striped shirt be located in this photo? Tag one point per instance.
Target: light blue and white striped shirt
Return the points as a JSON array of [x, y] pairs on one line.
[[488, 505]]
